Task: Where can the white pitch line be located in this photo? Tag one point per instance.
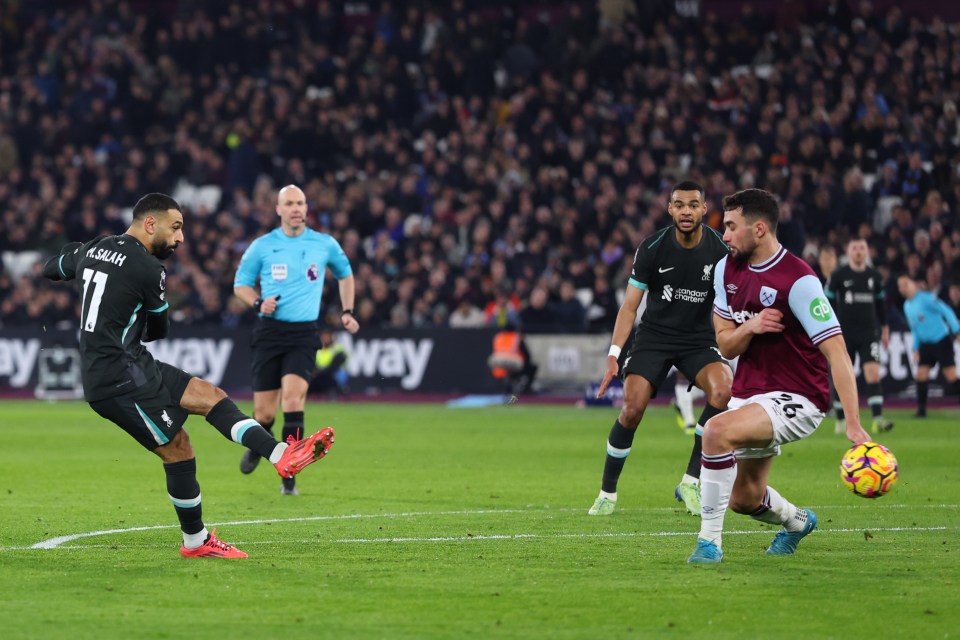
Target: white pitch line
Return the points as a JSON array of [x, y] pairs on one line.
[[495, 537], [53, 543]]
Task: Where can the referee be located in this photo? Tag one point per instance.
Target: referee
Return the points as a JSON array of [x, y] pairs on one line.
[[932, 322], [290, 263]]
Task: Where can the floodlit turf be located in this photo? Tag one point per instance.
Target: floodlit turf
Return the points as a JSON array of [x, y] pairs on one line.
[[427, 522]]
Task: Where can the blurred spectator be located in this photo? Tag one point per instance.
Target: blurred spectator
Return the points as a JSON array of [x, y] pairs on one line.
[[447, 160]]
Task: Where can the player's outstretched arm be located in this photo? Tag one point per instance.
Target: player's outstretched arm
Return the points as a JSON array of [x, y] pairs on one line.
[[626, 318], [53, 269], [841, 370]]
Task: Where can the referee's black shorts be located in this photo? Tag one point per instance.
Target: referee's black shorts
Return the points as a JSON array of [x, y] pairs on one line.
[[152, 413], [941, 352], [281, 348], [652, 359]]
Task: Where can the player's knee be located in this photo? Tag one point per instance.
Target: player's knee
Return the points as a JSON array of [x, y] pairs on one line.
[[716, 435], [177, 450], [719, 395], [630, 415]]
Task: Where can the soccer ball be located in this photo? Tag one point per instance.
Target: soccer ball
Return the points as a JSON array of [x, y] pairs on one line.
[[869, 470]]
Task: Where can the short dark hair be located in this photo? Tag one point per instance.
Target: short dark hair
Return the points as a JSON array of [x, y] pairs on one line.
[[154, 202], [688, 185], [755, 203]]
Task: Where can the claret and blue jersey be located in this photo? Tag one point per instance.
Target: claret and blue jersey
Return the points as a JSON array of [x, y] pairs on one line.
[[292, 268]]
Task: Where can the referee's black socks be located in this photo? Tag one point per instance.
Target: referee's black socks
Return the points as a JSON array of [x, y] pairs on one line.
[[292, 425]]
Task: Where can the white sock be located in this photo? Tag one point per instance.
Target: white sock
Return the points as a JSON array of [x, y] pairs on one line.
[[689, 479], [716, 485], [195, 540], [792, 518], [278, 452], [684, 400], [612, 497]]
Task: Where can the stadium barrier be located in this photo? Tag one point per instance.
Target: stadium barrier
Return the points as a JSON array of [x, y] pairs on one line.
[[422, 360]]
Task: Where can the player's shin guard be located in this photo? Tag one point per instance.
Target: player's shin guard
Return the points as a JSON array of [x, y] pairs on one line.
[[184, 492], [693, 465], [618, 448], [292, 425], [778, 510], [875, 398], [716, 484], [241, 428]]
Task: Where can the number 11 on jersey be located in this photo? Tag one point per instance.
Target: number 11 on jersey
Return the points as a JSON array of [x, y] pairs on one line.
[[89, 313]]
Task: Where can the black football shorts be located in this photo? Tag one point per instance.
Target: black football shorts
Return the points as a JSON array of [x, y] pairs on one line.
[[653, 359], [151, 414], [281, 348]]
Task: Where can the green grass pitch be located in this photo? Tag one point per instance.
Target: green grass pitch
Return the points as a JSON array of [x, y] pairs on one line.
[[428, 522]]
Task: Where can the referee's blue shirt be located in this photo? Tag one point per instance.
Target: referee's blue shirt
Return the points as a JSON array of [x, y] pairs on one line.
[[930, 318], [293, 268]]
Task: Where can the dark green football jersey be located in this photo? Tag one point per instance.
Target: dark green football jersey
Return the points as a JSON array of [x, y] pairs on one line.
[[679, 287], [122, 282]]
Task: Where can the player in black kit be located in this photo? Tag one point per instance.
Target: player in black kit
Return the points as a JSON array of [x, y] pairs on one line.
[[123, 303], [856, 292], [675, 266]]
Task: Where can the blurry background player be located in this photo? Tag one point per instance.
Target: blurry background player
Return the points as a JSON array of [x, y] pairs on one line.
[[124, 303], [675, 265], [685, 393], [290, 262], [772, 312], [331, 376], [858, 296], [932, 322]]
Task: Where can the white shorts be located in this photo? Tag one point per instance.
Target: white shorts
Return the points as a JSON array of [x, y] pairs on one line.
[[794, 417]]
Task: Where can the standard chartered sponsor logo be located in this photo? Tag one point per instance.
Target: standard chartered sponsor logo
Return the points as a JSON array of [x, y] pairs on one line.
[[685, 295]]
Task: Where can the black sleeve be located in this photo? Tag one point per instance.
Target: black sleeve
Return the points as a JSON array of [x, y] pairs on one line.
[[880, 301], [56, 269], [157, 326]]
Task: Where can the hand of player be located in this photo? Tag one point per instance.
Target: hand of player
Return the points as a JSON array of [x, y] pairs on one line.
[[885, 337], [916, 356], [269, 305], [855, 432], [613, 368], [767, 321], [350, 323]]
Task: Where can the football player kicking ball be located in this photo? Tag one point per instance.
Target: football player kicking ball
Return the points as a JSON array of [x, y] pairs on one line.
[[123, 302], [770, 310]]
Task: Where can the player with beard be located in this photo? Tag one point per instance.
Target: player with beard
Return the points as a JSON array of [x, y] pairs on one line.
[[123, 304], [770, 309], [675, 267], [857, 293]]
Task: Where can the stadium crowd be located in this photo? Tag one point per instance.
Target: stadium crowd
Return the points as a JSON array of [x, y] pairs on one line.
[[479, 162]]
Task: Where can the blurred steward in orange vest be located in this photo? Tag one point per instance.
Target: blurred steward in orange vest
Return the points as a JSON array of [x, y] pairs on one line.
[[510, 360]]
